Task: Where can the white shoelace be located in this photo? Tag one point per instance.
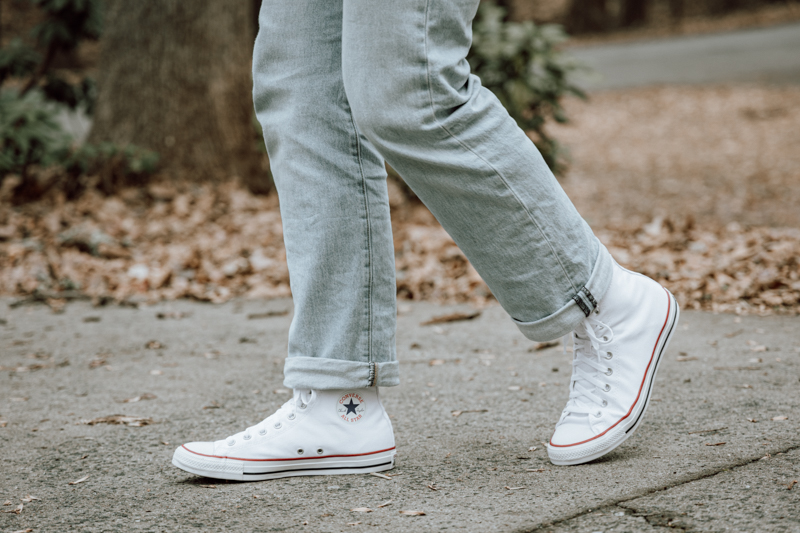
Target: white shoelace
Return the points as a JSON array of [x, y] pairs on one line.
[[287, 411], [587, 386]]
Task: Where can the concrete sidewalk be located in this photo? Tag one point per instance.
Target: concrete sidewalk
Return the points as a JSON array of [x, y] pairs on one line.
[[697, 463]]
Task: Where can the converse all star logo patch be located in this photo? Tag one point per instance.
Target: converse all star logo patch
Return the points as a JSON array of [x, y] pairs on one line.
[[351, 407]]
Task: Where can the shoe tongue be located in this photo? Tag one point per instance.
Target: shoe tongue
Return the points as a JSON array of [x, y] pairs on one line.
[[303, 395]]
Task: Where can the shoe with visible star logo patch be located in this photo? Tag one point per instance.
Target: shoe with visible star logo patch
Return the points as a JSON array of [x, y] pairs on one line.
[[314, 433], [617, 350]]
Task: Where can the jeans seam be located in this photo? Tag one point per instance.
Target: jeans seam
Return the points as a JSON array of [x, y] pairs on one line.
[[473, 152], [369, 240]]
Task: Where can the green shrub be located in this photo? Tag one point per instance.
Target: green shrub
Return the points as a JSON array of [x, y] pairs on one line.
[[33, 145], [522, 65]]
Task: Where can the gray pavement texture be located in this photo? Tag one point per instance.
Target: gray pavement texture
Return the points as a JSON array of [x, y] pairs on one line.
[[764, 55], [218, 370]]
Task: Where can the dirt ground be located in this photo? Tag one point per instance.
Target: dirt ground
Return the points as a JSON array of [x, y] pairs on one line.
[[696, 187]]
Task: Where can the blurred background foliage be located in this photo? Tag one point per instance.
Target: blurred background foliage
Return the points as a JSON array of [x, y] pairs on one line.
[[150, 113]]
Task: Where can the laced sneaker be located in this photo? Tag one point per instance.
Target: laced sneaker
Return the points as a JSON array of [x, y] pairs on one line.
[[616, 353], [317, 432]]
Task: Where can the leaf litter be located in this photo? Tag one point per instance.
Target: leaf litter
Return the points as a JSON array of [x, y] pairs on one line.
[[729, 244], [121, 420]]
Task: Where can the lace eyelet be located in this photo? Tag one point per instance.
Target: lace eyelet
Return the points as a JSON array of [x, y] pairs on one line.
[[246, 437], [319, 451], [609, 355], [262, 432], [300, 451], [231, 442], [598, 414], [605, 403], [302, 406], [291, 416], [607, 388], [277, 425], [605, 338], [610, 371]]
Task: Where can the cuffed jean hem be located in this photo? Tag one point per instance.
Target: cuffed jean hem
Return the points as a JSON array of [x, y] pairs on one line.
[[325, 374], [568, 317]]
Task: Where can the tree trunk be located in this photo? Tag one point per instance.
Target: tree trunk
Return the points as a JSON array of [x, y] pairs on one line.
[[633, 13], [586, 16], [174, 77]]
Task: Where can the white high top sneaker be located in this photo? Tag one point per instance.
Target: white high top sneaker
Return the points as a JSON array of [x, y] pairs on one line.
[[616, 354], [314, 433]]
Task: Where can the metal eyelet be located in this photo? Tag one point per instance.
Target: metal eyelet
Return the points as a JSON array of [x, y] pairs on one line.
[[277, 425], [246, 437], [319, 451], [302, 406], [609, 355], [231, 442], [609, 372], [299, 451], [262, 432], [605, 338], [607, 388], [605, 403], [598, 414], [291, 416]]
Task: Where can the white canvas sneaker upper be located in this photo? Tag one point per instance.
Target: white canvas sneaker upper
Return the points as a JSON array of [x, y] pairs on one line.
[[616, 350], [315, 432]]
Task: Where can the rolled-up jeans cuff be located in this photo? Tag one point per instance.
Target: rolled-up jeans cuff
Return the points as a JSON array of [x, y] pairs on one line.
[[568, 317], [325, 374]]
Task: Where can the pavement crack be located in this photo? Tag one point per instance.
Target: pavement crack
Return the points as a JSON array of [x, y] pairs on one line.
[[660, 519]]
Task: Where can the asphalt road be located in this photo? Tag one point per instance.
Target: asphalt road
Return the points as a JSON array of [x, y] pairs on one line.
[[764, 55], [698, 462]]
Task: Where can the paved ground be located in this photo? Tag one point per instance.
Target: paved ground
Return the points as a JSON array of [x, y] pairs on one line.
[[219, 370], [767, 55]]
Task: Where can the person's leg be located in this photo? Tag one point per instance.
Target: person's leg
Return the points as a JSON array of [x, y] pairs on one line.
[[334, 203], [409, 84], [451, 140], [335, 213]]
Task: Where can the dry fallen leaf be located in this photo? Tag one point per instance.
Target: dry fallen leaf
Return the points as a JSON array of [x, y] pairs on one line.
[[15, 510], [267, 314], [759, 349], [515, 388], [3, 423], [753, 420], [123, 420], [353, 523], [532, 449], [792, 484], [81, 480], [776, 418], [413, 513], [145, 396], [436, 362], [512, 488], [7, 502], [153, 345], [28, 498], [534, 469], [208, 486], [682, 359], [382, 476], [459, 413], [715, 443], [361, 510], [385, 504], [452, 317], [432, 486], [29, 530]]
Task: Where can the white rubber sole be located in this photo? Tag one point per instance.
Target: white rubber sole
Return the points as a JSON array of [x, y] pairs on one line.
[[589, 451], [244, 470]]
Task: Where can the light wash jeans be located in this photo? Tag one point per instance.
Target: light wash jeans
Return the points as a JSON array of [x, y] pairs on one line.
[[339, 87]]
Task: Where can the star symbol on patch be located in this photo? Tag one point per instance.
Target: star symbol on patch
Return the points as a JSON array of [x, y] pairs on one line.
[[351, 407]]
